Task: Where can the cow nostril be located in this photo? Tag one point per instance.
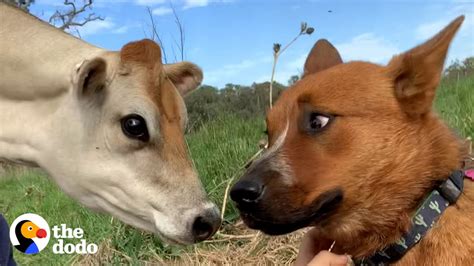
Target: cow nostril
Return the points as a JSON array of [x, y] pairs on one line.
[[205, 226], [201, 229], [246, 191]]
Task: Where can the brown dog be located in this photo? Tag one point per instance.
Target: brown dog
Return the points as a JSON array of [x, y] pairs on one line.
[[354, 149]]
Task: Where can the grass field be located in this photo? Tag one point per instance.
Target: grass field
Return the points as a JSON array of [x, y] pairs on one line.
[[219, 148]]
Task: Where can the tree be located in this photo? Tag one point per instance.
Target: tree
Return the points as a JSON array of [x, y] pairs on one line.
[[459, 69], [23, 4], [469, 63], [182, 36], [208, 103], [155, 36], [69, 19], [293, 79]]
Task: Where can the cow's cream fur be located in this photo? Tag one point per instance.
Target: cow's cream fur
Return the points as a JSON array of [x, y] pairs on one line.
[[47, 121]]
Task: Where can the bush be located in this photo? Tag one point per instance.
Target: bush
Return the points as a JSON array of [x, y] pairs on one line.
[[207, 102]]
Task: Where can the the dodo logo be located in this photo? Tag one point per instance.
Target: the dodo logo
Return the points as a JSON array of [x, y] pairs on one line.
[[29, 233]]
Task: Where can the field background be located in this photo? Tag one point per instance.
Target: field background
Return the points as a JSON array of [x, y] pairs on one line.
[[223, 135]]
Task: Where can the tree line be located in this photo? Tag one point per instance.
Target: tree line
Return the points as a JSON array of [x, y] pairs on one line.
[[460, 69], [208, 102]]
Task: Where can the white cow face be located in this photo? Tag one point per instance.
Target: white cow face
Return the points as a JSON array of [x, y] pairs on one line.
[[125, 151]]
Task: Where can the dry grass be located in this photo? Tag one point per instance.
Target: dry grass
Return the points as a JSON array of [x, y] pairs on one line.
[[233, 245], [246, 247]]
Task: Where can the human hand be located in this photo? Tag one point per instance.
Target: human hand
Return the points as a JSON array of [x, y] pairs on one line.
[[313, 252], [326, 258]]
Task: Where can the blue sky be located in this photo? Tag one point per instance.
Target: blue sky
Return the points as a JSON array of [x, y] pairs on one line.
[[232, 39]]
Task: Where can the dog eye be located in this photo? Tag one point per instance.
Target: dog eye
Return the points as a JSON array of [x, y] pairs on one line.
[[134, 127], [317, 122]]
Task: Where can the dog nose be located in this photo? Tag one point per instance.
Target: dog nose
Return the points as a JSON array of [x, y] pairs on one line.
[[246, 191], [206, 224]]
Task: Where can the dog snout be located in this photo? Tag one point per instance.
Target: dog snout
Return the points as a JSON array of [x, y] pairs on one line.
[[206, 225], [246, 191]]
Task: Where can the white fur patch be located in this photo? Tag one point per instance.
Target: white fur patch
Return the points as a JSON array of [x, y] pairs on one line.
[[279, 142], [277, 158]]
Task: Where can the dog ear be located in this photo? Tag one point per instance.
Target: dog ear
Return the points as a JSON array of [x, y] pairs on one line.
[[322, 56], [416, 73]]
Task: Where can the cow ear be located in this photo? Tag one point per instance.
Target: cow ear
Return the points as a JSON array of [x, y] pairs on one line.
[[185, 76], [416, 73], [144, 52], [322, 56], [90, 77]]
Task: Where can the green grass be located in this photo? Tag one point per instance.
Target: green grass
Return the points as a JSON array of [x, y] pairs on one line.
[[219, 148], [455, 104]]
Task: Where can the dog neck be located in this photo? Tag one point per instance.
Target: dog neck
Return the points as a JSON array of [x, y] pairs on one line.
[[435, 158], [426, 216]]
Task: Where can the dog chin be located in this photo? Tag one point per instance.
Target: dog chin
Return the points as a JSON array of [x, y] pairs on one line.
[[323, 207], [271, 228]]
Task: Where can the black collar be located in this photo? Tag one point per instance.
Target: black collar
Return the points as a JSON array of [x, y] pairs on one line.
[[425, 217]]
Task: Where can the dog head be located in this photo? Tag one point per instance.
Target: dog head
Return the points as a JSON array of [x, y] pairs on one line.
[[352, 146]]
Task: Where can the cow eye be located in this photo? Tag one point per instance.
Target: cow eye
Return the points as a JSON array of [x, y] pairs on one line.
[[134, 127]]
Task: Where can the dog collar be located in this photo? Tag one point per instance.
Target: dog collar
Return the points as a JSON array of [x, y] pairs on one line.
[[425, 217]]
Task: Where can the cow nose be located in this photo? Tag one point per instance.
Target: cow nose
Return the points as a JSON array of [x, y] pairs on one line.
[[246, 191], [206, 224]]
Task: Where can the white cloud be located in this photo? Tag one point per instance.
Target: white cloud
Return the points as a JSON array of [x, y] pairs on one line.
[[429, 29], [161, 11], [49, 2], [368, 47], [244, 64], [121, 30], [244, 72], [107, 3], [184, 4], [298, 62], [463, 1], [288, 66], [101, 26], [195, 3], [462, 45], [96, 26], [101, 3], [281, 76], [229, 72], [187, 4], [149, 2]]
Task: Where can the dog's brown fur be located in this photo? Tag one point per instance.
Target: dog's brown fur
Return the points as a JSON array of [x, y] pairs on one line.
[[385, 150]]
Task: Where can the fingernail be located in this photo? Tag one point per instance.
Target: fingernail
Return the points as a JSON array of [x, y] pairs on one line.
[[341, 259], [350, 262]]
